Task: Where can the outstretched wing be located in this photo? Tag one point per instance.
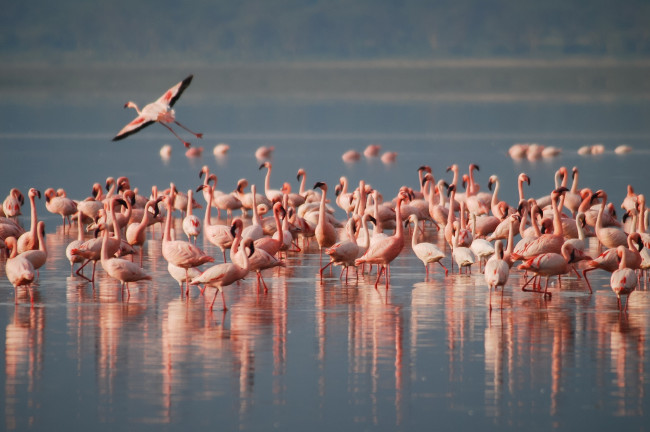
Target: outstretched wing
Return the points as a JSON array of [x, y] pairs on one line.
[[171, 96], [135, 125]]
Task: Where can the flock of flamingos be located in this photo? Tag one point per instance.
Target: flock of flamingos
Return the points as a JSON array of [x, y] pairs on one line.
[[552, 230], [545, 237]]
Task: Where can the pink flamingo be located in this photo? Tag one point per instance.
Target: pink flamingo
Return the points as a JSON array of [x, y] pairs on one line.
[[61, 205], [610, 237], [271, 194], [38, 257], [29, 239], [136, 232], [180, 253], [19, 270], [384, 251], [75, 244], [344, 252], [623, 280], [273, 245], [324, 232], [255, 230], [158, 111], [118, 268], [552, 264], [608, 260]]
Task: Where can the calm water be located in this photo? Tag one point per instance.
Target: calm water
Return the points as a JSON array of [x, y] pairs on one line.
[[311, 354]]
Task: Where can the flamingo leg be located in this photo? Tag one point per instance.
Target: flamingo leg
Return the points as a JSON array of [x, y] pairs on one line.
[[584, 273], [185, 143], [198, 135], [214, 298], [223, 299], [379, 273]]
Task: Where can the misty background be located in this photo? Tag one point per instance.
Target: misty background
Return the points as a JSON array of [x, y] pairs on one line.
[[206, 31]]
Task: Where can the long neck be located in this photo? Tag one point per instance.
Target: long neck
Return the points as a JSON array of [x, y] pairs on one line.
[[189, 203], [321, 212], [399, 229], [581, 231], [495, 194], [32, 227], [557, 217], [511, 237], [206, 218], [267, 180], [278, 224], [116, 227], [256, 216], [104, 253], [168, 224], [414, 241], [41, 240], [520, 187], [80, 234], [574, 185], [364, 224]]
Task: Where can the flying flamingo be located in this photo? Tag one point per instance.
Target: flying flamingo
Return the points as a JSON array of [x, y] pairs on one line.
[[158, 111], [497, 271], [180, 253], [19, 270], [384, 251], [29, 239], [425, 251], [623, 280]]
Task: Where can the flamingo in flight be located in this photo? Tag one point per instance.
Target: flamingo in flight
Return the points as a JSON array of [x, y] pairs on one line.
[[158, 111]]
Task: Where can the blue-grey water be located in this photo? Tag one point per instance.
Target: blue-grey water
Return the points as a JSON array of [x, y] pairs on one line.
[[310, 354]]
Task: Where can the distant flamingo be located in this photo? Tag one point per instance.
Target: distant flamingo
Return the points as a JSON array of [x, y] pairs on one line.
[[158, 111], [497, 271], [623, 280], [19, 270]]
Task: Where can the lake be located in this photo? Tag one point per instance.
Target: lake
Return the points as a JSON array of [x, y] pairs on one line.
[[311, 353]]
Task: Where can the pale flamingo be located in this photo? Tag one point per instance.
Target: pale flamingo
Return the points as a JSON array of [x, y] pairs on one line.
[[220, 149], [255, 230], [572, 198], [372, 150], [271, 194], [118, 268], [261, 260], [497, 271], [219, 235], [60, 205], [384, 251], [264, 152], [12, 203], [75, 244], [351, 156], [224, 201], [191, 223], [426, 252], [610, 237], [630, 200], [345, 252], [480, 247], [623, 280], [180, 253], [463, 255], [158, 111], [19, 270], [29, 239], [91, 206], [272, 245], [608, 260], [324, 232], [38, 257]]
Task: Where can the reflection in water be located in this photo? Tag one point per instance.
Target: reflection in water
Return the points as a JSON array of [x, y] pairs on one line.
[[24, 355]]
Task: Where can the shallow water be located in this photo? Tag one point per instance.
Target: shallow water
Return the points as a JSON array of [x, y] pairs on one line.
[[310, 353]]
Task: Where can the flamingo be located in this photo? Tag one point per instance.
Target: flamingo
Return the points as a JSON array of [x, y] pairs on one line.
[[219, 235], [59, 205], [75, 244], [38, 257], [608, 260], [385, 250], [29, 239], [344, 252], [255, 230], [324, 232], [136, 232], [19, 270], [180, 253], [497, 271], [12, 203], [480, 247], [158, 111], [272, 245], [552, 264], [191, 223], [463, 255], [118, 268], [623, 280], [271, 194], [610, 237], [425, 251]]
